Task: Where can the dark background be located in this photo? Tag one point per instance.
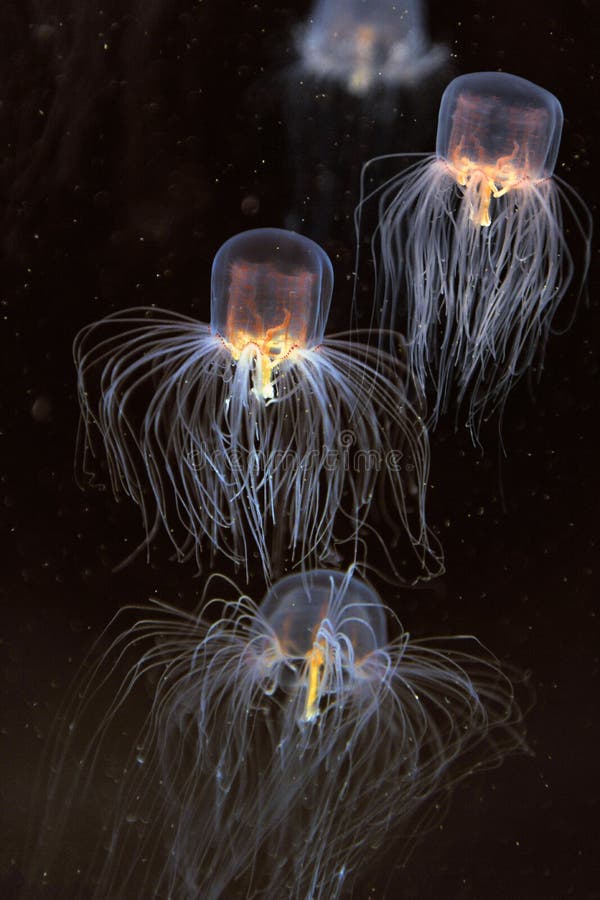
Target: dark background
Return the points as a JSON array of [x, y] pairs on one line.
[[135, 139]]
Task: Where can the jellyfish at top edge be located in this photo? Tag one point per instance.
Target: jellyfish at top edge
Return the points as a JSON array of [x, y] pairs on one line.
[[366, 43], [287, 742], [253, 433], [470, 248]]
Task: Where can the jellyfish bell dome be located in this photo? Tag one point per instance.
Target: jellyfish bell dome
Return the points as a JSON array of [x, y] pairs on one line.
[[296, 606], [337, 22], [324, 626], [501, 123], [270, 288]]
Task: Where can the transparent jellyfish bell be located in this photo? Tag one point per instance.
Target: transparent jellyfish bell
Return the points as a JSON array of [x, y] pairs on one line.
[[297, 605], [325, 624], [495, 119], [349, 26], [270, 288]]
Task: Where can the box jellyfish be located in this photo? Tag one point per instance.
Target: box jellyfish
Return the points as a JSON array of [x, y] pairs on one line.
[[285, 742], [470, 242], [365, 43], [257, 429]]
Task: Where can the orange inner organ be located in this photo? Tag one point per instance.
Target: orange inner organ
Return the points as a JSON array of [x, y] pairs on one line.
[[267, 314], [485, 180], [364, 46], [316, 658]]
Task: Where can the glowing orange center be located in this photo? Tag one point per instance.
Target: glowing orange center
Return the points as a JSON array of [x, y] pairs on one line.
[[362, 76], [269, 329], [271, 348], [316, 659], [485, 180]]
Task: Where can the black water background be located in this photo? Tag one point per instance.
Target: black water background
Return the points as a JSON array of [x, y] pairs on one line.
[[123, 170]]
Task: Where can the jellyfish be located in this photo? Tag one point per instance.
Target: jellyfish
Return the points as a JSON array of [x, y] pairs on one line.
[[470, 245], [365, 43], [285, 742], [361, 68], [250, 435]]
